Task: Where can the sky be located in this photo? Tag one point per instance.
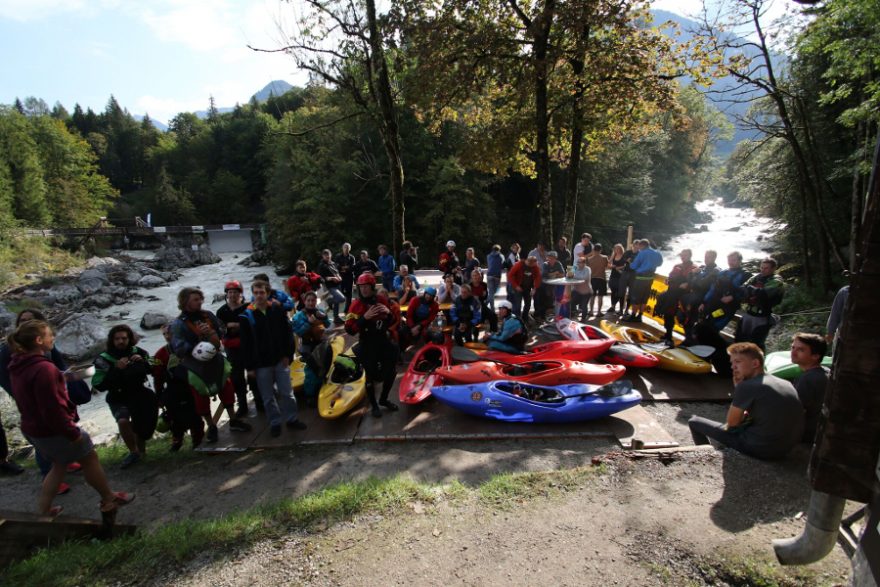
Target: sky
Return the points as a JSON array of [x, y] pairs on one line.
[[158, 57]]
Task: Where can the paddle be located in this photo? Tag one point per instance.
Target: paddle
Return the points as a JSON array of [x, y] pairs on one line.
[[703, 351]]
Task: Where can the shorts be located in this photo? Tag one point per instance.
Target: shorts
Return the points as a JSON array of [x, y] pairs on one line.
[[599, 285], [203, 402], [640, 290], [60, 449], [119, 411]]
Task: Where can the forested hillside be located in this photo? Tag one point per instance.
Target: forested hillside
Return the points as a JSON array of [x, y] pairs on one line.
[[480, 121]]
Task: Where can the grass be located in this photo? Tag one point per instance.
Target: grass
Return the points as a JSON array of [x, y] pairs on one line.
[[753, 573], [138, 558], [21, 256]]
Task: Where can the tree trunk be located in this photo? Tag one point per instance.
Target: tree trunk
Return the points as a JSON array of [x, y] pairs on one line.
[[541, 35], [388, 127], [569, 216], [805, 240]]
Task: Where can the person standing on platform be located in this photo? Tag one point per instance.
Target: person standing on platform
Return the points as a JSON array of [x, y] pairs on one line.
[[524, 279], [644, 267], [495, 266], [409, 255], [228, 315], [345, 262], [370, 319], [584, 247], [581, 292], [267, 346], [387, 266], [598, 265], [616, 263]]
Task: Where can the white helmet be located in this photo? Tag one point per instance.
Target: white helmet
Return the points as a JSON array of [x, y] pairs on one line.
[[450, 243], [204, 351], [504, 304]]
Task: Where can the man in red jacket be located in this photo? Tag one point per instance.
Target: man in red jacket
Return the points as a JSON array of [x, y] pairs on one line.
[[302, 281], [371, 317], [524, 278]]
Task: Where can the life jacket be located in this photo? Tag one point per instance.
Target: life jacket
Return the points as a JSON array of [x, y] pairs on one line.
[[520, 339]]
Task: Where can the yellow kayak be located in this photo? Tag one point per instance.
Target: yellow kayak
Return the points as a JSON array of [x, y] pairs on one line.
[[298, 367], [344, 389], [671, 359]]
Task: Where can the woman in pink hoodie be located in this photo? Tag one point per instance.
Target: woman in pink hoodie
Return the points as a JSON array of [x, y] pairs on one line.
[[48, 417]]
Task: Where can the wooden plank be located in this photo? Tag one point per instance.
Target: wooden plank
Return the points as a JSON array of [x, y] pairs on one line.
[[636, 428]]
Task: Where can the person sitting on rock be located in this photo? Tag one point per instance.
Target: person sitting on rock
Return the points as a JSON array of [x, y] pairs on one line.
[[310, 324], [807, 352], [465, 313], [122, 370], [512, 335], [276, 296], [765, 419], [206, 376]]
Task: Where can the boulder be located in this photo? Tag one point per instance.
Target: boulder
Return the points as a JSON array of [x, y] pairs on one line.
[[98, 300], [64, 294], [7, 318], [91, 280], [105, 263], [132, 278], [80, 336], [154, 320], [151, 281], [178, 257]]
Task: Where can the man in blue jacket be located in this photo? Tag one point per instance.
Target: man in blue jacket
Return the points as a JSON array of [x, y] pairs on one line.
[[466, 315], [643, 266], [387, 265]]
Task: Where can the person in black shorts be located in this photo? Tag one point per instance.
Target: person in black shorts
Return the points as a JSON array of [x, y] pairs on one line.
[[598, 264]]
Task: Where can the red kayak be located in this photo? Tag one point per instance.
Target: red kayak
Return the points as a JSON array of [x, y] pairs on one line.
[[423, 373], [552, 372], [571, 350], [619, 353]]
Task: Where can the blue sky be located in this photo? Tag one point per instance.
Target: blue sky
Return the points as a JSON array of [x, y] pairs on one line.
[[156, 56]]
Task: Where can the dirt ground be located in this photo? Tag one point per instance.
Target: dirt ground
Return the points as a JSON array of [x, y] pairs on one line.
[[640, 523]]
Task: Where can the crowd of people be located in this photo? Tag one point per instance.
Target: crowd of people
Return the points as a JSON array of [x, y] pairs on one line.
[[248, 344]]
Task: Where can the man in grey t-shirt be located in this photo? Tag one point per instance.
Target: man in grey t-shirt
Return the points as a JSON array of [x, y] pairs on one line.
[[765, 418], [807, 352]]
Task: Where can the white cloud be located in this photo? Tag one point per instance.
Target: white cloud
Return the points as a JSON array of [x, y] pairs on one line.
[[164, 109]]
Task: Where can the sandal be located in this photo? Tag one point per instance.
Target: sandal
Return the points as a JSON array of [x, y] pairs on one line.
[[120, 498], [54, 511]]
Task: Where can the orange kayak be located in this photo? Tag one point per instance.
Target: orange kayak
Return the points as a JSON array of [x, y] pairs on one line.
[[551, 372]]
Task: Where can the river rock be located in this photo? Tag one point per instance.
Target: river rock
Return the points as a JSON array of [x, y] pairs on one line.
[[154, 320], [80, 336], [64, 294], [132, 278], [98, 300], [7, 318], [105, 263], [181, 257], [151, 281], [91, 280]]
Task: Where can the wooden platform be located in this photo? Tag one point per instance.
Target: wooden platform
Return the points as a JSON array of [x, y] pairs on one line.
[[21, 533]]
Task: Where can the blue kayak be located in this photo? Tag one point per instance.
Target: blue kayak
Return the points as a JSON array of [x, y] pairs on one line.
[[514, 401]]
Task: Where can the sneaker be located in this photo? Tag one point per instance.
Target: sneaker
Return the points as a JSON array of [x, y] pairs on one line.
[[130, 460], [239, 426], [10, 468], [275, 431], [63, 488], [242, 412], [391, 407], [296, 425], [376, 412], [74, 467], [211, 436]]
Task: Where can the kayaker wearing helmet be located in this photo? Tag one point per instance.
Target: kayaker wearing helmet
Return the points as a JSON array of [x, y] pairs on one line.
[[448, 263], [512, 335], [228, 315], [421, 312], [371, 317], [121, 370]]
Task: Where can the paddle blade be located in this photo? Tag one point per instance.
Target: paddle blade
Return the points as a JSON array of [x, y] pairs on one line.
[[704, 351]]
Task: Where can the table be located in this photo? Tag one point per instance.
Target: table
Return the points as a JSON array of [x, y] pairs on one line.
[[567, 282]]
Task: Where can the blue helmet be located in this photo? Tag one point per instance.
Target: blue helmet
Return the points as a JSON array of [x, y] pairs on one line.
[[430, 291]]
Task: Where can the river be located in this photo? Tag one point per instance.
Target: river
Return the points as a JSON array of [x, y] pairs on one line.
[[750, 240]]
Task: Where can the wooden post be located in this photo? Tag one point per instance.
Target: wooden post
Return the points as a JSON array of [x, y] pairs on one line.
[[629, 237]]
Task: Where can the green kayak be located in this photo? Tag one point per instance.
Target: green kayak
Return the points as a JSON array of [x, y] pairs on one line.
[[780, 365]]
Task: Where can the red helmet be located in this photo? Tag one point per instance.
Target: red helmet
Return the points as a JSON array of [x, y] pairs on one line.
[[364, 278], [234, 284]]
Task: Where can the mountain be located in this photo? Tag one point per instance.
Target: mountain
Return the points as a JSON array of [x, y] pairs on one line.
[[275, 88], [157, 123]]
